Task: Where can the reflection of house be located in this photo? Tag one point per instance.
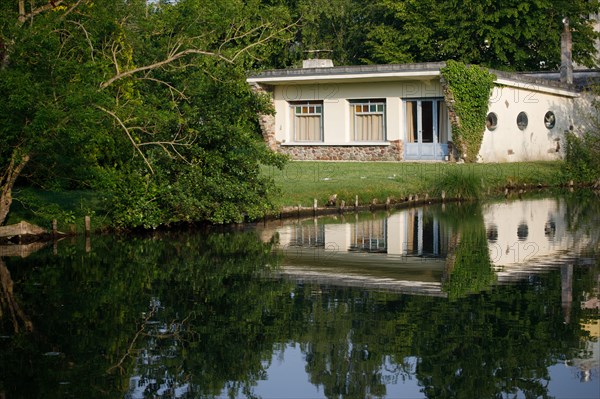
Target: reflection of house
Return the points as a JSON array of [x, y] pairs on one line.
[[398, 112], [409, 248], [415, 232], [403, 252], [525, 235]]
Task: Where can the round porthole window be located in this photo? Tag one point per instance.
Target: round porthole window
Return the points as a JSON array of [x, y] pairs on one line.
[[522, 120], [491, 121], [549, 119]]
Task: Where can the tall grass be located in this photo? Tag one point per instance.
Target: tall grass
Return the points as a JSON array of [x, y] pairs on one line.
[[458, 182]]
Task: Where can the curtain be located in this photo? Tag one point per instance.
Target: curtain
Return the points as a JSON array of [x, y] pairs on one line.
[[443, 121], [411, 121], [366, 127], [307, 128]]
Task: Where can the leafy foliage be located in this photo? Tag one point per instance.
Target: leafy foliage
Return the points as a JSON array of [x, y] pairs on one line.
[[582, 160], [467, 90], [508, 35], [146, 100]]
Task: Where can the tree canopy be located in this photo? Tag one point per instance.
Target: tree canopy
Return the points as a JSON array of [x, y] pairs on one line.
[[508, 35], [146, 101]]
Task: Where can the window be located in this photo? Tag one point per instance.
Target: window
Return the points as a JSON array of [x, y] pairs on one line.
[[491, 121], [522, 121], [367, 119], [549, 120], [307, 120]]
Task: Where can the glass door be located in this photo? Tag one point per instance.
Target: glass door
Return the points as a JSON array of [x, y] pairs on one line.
[[427, 129]]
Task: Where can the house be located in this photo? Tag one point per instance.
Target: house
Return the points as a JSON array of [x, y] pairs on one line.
[[399, 113]]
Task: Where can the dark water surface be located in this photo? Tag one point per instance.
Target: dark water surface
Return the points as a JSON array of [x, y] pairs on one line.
[[497, 300]]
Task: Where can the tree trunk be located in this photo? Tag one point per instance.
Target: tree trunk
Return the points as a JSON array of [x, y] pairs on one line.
[[7, 181]]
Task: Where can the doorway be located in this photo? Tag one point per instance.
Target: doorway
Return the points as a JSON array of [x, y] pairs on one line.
[[427, 129]]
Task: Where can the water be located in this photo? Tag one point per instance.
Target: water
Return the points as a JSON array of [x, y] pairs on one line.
[[474, 301]]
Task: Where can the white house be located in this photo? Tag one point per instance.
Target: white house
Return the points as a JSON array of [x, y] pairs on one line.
[[398, 112]]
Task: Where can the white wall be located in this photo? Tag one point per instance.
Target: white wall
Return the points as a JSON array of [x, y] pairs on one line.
[[507, 143], [336, 108]]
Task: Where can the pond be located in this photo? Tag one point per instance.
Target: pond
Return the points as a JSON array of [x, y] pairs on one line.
[[493, 300]]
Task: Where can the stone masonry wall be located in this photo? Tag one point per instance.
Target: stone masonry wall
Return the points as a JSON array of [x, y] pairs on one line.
[[392, 152]]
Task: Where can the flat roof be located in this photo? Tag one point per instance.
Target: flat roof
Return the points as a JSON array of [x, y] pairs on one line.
[[396, 72], [370, 73]]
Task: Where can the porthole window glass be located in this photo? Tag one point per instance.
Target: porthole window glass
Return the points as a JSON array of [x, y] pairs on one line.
[[549, 119], [522, 121], [491, 121]]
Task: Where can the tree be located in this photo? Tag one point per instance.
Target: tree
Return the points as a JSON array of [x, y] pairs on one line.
[[513, 35], [144, 100]]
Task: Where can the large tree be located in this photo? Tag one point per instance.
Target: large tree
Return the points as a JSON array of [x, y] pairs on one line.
[[511, 35], [514, 35], [146, 100]]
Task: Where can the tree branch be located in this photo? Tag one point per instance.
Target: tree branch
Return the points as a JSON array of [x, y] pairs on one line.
[[24, 16], [87, 36], [7, 181], [159, 64], [135, 145]]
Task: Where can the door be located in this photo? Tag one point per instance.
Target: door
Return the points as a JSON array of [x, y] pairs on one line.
[[427, 129]]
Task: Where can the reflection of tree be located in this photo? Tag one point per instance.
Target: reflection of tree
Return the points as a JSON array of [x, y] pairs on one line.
[[468, 265], [192, 312], [583, 217], [9, 307], [212, 322], [489, 345]]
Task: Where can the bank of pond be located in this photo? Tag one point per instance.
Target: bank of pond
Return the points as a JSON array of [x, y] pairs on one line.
[[493, 299]]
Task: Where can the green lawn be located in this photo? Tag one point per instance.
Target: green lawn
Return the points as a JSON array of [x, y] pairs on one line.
[[301, 182]]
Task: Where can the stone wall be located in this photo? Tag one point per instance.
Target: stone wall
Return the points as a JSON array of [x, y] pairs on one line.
[[391, 152]]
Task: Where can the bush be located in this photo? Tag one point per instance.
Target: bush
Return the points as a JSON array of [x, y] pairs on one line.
[[582, 163]]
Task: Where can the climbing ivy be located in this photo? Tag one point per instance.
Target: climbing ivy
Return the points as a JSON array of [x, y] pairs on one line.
[[467, 90]]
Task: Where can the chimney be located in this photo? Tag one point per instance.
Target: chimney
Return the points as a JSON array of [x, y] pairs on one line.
[[317, 63], [566, 54]]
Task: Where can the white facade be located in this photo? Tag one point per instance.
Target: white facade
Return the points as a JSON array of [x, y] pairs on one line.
[[398, 112], [549, 113]]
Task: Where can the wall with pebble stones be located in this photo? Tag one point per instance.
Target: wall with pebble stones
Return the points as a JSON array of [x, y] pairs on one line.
[[389, 152]]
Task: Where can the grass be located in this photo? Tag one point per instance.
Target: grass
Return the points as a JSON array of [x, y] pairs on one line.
[[301, 182]]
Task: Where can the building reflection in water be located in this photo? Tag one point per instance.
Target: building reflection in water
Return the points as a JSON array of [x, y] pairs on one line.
[[410, 247]]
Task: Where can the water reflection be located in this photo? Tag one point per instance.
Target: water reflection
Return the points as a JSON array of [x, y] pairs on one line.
[[415, 250], [223, 315]]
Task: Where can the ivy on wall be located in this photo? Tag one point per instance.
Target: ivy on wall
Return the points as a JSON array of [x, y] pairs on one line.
[[467, 90]]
